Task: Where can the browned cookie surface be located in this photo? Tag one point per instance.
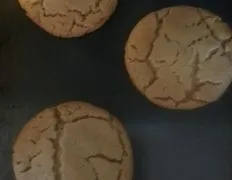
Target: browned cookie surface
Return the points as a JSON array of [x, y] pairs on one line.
[[73, 141], [180, 57], [69, 18]]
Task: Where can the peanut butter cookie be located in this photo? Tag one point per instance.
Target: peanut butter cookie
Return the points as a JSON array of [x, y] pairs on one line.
[[180, 57], [73, 141], [69, 18]]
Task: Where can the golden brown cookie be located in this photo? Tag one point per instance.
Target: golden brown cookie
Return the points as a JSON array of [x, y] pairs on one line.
[[73, 141], [180, 57], [69, 18]]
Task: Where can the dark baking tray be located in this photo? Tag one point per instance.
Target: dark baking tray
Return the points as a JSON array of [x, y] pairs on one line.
[[38, 70]]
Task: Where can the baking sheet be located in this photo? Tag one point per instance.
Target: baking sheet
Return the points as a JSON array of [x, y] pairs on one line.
[[38, 70]]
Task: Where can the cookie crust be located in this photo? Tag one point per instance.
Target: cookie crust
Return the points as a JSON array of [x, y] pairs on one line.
[[69, 18], [73, 140], [180, 57]]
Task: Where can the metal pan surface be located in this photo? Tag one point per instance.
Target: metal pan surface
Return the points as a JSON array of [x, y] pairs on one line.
[[38, 70]]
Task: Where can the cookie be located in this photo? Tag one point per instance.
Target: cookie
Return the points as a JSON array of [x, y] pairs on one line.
[[69, 18], [180, 57], [72, 141]]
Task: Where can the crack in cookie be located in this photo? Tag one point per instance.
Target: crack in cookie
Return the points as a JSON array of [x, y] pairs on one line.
[[94, 170], [56, 144], [29, 161], [84, 117], [194, 42], [104, 157], [119, 174], [211, 54]]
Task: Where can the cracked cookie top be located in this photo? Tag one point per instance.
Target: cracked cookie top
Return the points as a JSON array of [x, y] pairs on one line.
[[180, 57], [69, 18], [72, 141]]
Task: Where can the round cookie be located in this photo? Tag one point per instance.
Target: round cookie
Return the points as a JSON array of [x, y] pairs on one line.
[[180, 57], [72, 141], [69, 18]]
